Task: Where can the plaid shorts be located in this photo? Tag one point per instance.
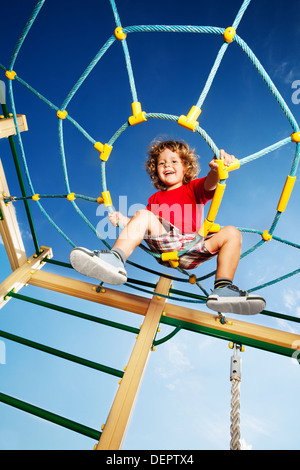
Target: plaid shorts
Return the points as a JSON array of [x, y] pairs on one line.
[[174, 240]]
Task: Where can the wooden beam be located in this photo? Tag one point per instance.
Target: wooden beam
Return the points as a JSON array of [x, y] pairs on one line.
[[7, 125], [139, 305], [234, 326], [22, 275], [86, 291], [118, 418], [9, 227]]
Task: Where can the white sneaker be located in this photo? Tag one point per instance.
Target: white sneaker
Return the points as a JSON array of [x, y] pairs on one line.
[[231, 299], [101, 265]]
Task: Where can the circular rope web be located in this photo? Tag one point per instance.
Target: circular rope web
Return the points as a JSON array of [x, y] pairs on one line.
[[228, 36]]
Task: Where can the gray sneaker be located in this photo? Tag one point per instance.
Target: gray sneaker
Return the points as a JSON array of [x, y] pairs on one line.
[[101, 265], [231, 299]]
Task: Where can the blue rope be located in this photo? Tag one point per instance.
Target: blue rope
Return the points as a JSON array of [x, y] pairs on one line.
[[278, 279], [268, 82], [264, 151], [87, 71], [240, 14], [220, 56], [172, 29], [126, 54], [24, 33]]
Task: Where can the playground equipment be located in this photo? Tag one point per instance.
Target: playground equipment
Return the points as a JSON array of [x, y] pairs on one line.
[[155, 310]]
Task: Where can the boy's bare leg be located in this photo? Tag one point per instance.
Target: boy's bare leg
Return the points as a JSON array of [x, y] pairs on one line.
[[229, 243], [143, 222], [109, 267]]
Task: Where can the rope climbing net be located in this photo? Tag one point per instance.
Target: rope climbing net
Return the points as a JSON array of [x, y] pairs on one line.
[[189, 121]]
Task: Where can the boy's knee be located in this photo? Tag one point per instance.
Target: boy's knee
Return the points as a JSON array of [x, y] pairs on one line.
[[141, 214], [144, 219], [233, 233]]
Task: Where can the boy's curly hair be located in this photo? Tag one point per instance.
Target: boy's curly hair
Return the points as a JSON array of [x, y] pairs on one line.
[[187, 155]]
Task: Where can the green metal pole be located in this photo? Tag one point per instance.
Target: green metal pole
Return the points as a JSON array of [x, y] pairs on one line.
[[21, 182], [226, 335], [62, 354], [47, 415], [74, 313]]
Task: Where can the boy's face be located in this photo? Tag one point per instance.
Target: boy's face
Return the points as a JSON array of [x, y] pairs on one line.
[[170, 169]]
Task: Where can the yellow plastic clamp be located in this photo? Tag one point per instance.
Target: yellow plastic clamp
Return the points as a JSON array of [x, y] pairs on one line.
[[190, 121], [62, 114], [11, 75], [296, 137], [107, 199], [223, 169], [266, 236], [172, 257], [105, 150], [286, 192], [208, 227], [71, 197], [229, 34], [119, 34], [35, 197], [215, 228], [138, 115], [205, 228], [215, 203]]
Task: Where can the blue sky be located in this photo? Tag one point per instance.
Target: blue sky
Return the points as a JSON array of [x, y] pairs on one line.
[[184, 400]]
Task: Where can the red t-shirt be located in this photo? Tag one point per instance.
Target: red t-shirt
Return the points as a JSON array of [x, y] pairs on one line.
[[183, 206]]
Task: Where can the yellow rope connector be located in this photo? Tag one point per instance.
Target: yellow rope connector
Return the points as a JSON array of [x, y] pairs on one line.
[[172, 257], [119, 34], [266, 236], [100, 200], [190, 121], [229, 34], [61, 114], [208, 227], [105, 150], [35, 197], [10, 75], [71, 197], [224, 169], [106, 198], [296, 137], [138, 115], [193, 279], [286, 193]]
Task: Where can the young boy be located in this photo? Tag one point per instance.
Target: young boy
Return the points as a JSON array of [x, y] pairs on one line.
[[169, 223]]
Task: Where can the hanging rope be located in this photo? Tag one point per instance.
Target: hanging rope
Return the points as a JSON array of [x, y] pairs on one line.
[[235, 378]]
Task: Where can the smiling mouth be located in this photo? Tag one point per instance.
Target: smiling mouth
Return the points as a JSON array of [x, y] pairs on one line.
[[169, 173]]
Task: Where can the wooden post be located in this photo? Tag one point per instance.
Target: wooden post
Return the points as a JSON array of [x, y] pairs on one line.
[[9, 228], [118, 418], [22, 275]]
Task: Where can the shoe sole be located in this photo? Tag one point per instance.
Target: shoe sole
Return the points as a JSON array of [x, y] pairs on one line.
[[88, 264], [248, 306]]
